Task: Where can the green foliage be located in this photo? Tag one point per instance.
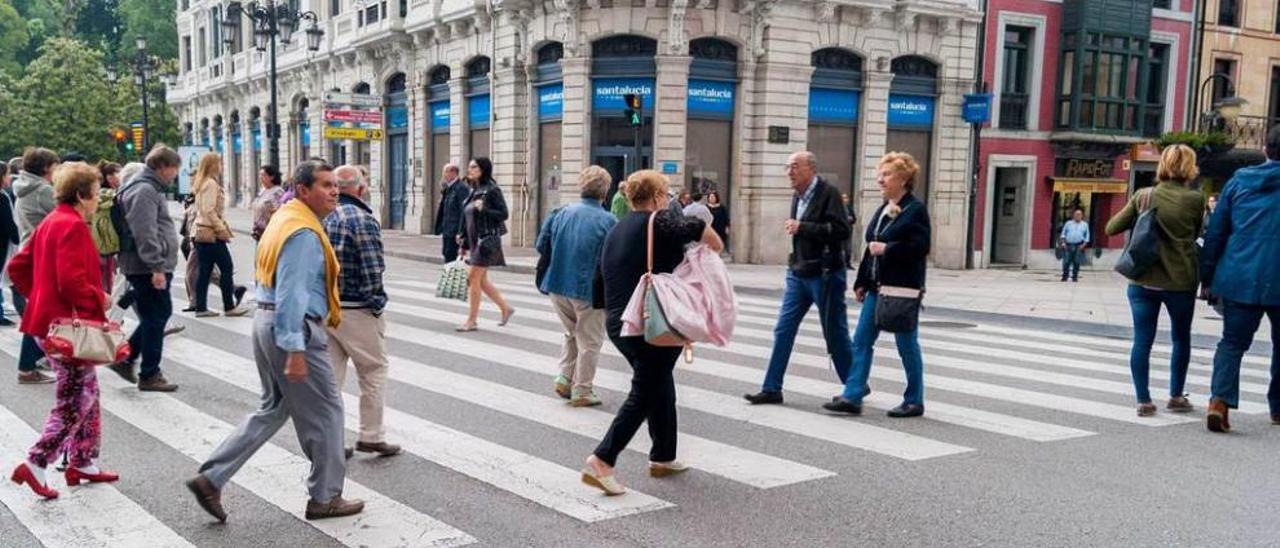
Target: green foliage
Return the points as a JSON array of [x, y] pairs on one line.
[[153, 19], [14, 37], [1195, 140]]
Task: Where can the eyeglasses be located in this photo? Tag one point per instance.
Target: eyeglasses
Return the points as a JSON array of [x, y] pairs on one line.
[[792, 166]]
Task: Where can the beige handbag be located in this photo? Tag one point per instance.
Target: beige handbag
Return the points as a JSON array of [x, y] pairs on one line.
[[87, 342]]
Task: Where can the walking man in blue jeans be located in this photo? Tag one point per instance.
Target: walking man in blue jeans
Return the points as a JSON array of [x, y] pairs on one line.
[[1075, 237], [818, 227], [1242, 241]]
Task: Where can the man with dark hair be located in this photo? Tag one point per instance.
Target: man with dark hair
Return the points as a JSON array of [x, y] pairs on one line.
[[34, 189], [1238, 266], [148, 264], [1073, 240], [298, 299]]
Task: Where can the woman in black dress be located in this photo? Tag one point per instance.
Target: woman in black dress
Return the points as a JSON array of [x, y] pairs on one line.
[[653, 389], [485, 217], [720, 217]]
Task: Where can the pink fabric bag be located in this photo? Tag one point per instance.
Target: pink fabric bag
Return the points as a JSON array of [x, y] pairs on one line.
[[697, 298]]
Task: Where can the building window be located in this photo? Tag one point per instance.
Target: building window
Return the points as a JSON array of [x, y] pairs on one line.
[[186, 54], [1273, 111], [1226, 67], [1162, 4], [1014, 94], [186, 5], [1101, 84], [215, 31], [202, 50], [1157, 81], [335, 8], [1229, 13]]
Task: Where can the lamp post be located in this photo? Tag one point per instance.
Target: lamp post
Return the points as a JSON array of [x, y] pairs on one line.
[[271, 20], [142, 67], [1226, 109]]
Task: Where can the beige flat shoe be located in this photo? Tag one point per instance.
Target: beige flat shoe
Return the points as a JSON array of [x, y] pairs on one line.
[[609, 484], [465, 328], [667, 469]]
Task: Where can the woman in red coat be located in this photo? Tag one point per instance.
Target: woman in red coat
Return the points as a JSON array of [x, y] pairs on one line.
[[58, 272]]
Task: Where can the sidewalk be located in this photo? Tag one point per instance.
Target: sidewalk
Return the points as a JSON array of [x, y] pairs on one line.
[[1097, 302]]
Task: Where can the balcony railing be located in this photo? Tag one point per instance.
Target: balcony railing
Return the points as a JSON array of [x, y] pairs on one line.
[[1245, 131], [1013, 110]]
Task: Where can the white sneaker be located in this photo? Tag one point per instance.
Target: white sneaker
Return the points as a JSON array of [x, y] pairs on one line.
[[237, 312], [206, 314]]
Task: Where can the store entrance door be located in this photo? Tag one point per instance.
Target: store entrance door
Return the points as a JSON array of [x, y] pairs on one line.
[[1009, 217], [619, 162], [398, 148]]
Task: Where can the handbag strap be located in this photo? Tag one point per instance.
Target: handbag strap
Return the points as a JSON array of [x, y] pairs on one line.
[[649, 237]]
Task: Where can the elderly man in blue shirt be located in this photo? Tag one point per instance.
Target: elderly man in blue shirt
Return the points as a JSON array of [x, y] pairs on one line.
[[297, 299], [1074, 238], [572, 237]]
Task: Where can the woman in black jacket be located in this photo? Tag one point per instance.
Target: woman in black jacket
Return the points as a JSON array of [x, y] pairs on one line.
[[484, 223], [898, 237]]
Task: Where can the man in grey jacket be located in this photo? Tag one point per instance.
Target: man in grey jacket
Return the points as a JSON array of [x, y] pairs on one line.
[[148, 256], [34, 190]]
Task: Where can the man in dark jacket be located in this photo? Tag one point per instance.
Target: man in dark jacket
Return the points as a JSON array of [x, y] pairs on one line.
[[148, 264], [449, 218], [818, 226], [1238, 266]]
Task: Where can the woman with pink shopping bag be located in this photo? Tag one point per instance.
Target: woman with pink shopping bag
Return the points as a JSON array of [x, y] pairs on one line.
[[623, 264]]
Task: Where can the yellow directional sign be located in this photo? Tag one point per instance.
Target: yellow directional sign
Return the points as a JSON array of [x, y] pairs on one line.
[[355, 134]]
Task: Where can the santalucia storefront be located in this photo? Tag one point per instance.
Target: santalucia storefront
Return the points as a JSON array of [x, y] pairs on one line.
[[729, 89]]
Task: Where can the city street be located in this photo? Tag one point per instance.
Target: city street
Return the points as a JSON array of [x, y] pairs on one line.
[[1029, 439]]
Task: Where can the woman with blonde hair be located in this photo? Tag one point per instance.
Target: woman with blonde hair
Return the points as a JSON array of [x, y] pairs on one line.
[[1173, 277], [211, 234], [58, 272], [898, 237], [623, 262]]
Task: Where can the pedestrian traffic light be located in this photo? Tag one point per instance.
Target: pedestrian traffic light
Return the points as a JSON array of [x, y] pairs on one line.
[[118, 135], [635, 109]]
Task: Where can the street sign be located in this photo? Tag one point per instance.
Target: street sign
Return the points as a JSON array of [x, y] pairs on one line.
[[354, 116], [358, 99], [977, 108], [355, 134]]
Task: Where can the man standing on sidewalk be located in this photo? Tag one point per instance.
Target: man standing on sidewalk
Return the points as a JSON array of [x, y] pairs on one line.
[[357, 241], [449, 218], [573, 237], [1075, 237], [818, 227], [297, 274], [148, 255]]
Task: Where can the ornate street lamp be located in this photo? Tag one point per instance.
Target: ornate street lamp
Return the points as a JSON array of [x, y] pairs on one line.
[[1225, 110], [142, 70], [271, 21]]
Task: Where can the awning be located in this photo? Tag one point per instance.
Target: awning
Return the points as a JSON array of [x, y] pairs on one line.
[[1100, 186]]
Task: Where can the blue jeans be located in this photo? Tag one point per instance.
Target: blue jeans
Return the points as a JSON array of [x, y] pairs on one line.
[[1239, 323], [1145, 305], [827, 291], [864, 342], [30, 352], [1071, 257], [154, 306]]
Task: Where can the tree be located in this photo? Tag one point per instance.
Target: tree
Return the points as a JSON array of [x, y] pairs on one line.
[[154, 20], [10, 145], [14, 38], [99, 26], [64, 102]]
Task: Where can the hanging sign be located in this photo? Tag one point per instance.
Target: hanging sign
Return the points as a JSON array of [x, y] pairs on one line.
[[355, 99], [550, 101], [607, 93], [911, 111], [353, 116], [977, 108], [834, 106], [710, 98], [355, 134]]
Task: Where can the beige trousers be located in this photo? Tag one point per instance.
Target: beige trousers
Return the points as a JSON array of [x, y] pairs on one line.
[[583, 336], [362, 337]]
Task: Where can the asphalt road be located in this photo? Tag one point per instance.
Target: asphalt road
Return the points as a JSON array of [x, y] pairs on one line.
[[1030, 439]]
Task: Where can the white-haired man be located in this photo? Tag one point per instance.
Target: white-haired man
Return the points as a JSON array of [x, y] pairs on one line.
[[357, 241]]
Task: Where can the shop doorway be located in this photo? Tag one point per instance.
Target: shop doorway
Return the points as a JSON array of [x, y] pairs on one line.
[[620, 162], [398, 172], [1009, 217]]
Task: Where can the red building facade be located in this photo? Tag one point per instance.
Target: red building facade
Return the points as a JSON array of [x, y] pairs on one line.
[[1078, 87]]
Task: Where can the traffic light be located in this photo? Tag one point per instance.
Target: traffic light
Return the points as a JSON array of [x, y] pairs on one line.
[[137, 136], [635, 109], [118, 135]]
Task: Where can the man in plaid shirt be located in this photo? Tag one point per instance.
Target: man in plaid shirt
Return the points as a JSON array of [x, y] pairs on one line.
[[357, 240]]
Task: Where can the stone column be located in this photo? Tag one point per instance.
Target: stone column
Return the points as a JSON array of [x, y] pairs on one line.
[[951, 173], [874, 126], [423, 192], [777, 94], [509, 99], [458, 148], [575, 139], [671, 109]]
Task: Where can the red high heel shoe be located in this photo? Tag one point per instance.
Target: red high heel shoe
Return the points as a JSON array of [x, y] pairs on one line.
[[75, 476], [23, 474]]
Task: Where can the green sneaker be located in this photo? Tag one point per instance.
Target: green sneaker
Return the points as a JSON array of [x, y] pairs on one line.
[[584, 400], [563, 387]]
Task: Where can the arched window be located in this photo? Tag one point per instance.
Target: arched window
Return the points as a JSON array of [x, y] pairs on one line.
[[912, 100], [835, 107], [712, 98]]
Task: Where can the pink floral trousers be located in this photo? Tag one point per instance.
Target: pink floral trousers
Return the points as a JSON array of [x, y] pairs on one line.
[[74, 423]]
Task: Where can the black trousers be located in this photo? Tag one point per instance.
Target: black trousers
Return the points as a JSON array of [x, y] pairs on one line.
[[449, 246], [652, 398], [208, 256]]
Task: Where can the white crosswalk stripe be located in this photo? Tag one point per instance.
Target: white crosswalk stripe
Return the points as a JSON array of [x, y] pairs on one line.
[[273, 473]]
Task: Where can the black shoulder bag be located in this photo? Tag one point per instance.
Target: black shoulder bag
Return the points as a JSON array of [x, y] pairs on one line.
[[897, 308]]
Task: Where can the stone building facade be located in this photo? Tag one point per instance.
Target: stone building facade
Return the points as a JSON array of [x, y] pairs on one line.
[[730, 88]]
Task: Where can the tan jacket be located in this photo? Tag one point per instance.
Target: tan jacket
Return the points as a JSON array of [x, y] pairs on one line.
[[210, 226]]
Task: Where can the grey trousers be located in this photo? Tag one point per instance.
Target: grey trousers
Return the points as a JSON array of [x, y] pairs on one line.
[[315, 405]]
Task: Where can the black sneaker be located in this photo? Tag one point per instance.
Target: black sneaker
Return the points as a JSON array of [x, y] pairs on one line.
[[841, 405], [127, 299], [764, 398], [6, 322], [906, 410]]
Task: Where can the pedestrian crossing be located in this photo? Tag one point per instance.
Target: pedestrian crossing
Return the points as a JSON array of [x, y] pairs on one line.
[[987, 386]]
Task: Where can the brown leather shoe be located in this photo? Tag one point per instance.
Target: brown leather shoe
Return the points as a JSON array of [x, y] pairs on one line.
[[1216, 419], [382, 448], [34, 377], [336, 508], [156, 384], [209, 498], [125, 370]]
